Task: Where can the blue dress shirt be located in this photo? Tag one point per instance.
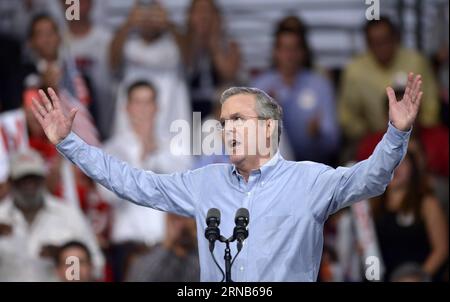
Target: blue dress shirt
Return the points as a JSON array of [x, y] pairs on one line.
[[288, 202]]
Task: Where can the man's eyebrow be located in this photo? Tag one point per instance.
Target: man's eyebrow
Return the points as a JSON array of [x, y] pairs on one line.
[[232, 116]]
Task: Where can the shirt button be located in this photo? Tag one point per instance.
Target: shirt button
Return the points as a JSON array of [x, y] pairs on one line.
[[263, 183], [249, 193], [241, 268]]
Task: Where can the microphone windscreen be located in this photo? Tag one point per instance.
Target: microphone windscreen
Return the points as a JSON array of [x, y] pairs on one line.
[[242, 212], [213, 213]]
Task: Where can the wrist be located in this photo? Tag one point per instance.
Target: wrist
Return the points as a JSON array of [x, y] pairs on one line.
[[403, 128], [61, 139]]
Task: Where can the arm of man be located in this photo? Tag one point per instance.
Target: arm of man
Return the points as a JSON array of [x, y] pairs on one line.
[[167, 192], [344, 186]]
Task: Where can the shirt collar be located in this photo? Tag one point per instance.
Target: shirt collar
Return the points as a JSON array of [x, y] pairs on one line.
[[264, 169]]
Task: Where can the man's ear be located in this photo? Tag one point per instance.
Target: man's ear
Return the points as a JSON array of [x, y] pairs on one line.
[[270, 128]]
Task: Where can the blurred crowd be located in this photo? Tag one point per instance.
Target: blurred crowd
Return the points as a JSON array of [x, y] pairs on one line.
[[129, 83]]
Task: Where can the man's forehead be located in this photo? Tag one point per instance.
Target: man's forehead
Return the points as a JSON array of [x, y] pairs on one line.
[[240, 103]]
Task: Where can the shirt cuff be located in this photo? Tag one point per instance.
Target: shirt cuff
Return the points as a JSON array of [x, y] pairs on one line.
[[69, 145], [397, 137]]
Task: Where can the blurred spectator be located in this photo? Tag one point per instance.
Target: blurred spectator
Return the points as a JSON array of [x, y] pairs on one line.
[[145, 48], [89, 45], [64, 262], [175, 260], [409, 272], [96, 209], [33, 223], [43, 65], [211, 59], [135, 225], [293, 23], [350, 252], [435, 145], [48, 65], [21, 131], [362, 107], [148, 26], [306, 97], [208, 159], [409, 222], [433, 139]]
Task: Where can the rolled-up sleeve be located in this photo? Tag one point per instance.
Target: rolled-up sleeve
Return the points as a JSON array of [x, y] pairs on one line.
[[166, 192]]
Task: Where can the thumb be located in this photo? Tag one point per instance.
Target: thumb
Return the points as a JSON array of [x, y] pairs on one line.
[[72, 114], [391, 95]]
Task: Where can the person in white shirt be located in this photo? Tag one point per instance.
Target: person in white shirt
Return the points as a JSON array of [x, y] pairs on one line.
[[138, 144], [144, 47], [33, 223], [88, 44]]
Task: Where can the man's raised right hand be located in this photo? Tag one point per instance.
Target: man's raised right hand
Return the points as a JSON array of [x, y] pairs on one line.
[[50, 115]]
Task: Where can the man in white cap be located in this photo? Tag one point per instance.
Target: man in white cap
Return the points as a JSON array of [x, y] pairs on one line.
[[34, 222]]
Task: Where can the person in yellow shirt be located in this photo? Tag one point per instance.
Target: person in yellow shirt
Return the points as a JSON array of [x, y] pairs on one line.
[[362, 106]]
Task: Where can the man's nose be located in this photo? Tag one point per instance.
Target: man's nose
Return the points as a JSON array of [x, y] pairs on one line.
[[229, 131]]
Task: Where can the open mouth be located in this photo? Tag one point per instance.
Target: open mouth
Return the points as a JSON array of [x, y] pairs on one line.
[[234, 143]]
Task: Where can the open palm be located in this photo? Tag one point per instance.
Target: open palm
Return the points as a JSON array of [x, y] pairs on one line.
[[50, 115], [403, 113]]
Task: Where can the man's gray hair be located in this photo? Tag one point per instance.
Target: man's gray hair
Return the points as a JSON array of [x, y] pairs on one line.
[[266, 106]]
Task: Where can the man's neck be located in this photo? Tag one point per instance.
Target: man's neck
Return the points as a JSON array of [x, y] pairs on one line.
[[388, 63], [288, 77], [253, 164], [144, 133], [29, 214], [49, 59], [385, 65], [80, 28]]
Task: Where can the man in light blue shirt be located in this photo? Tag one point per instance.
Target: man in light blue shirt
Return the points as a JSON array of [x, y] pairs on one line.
[[288, 202]]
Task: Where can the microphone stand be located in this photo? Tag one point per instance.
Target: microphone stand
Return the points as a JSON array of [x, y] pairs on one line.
[[227, 256], [240, 233]]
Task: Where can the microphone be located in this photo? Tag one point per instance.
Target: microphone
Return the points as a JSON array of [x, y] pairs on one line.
[[212, 232], [240, 231]]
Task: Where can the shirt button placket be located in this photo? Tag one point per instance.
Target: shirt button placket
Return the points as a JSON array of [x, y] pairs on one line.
[[244, 253]]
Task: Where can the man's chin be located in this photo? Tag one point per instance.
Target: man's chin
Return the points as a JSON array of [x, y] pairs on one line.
[[236, 159]]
